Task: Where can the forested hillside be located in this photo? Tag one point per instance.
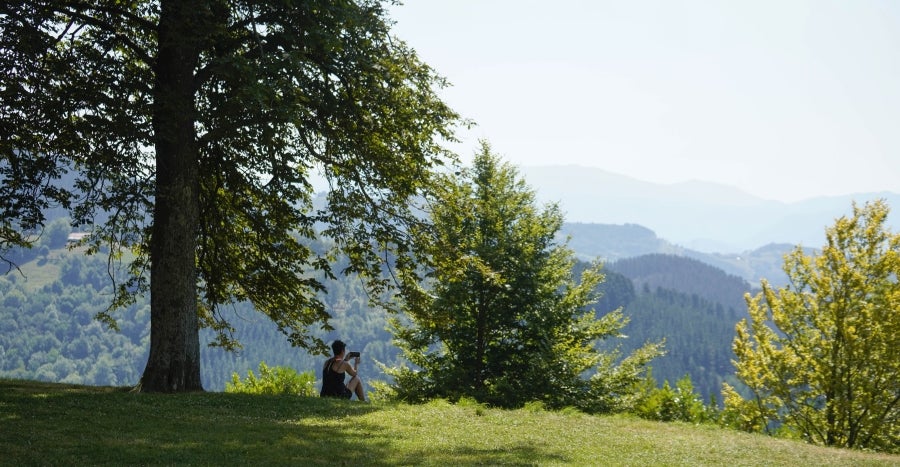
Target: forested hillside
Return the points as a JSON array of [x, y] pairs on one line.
[[685, 275], [612, 242], [47, 330], [47, 326], [692, 305]]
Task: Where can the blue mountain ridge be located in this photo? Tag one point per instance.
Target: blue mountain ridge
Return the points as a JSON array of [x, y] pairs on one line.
[[700, 216]]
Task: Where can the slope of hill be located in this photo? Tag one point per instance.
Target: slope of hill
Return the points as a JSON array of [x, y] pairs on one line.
[[694, 307], [685, 275], [74, 425], [611, 243], [47, 331]]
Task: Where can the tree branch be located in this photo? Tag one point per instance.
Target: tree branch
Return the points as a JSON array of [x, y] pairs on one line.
[[88, 19]]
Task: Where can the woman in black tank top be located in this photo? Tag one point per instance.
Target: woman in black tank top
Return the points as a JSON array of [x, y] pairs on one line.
[[335, 370]]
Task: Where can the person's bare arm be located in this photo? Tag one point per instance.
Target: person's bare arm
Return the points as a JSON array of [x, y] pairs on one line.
[[352, 369]]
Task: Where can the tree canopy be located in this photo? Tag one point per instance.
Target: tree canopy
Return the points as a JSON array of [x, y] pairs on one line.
[[499, 316], [819, 356], [194, 129]]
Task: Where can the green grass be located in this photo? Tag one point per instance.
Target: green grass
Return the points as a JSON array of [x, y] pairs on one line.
[[54, 424], [42, 271]]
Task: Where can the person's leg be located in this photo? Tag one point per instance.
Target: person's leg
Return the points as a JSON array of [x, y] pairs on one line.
[[356, 386]]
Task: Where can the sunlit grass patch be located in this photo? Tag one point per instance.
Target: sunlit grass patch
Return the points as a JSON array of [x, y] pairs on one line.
[[44, 423]]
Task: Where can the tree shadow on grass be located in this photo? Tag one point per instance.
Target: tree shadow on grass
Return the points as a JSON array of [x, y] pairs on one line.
[[76, 425]]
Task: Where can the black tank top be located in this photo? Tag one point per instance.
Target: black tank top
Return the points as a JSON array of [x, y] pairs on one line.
[[333, 382]]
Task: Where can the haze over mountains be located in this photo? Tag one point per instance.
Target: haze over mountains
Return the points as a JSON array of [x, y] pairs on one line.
[[701, 216]]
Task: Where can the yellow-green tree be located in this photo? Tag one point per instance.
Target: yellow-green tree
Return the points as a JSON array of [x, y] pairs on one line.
[[819, 356]]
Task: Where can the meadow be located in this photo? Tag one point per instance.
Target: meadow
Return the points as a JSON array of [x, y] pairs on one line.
[[57, 424]]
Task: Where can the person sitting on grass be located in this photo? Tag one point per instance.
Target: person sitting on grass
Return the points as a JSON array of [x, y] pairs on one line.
[[335, 370]]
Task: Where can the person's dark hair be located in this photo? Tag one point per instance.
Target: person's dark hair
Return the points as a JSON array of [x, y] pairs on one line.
[[338, 347]]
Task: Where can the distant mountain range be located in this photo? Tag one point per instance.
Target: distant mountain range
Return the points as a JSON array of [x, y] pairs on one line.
[[612, 243], [700, 216]]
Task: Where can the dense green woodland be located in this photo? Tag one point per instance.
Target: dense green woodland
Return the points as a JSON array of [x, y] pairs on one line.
[[698, 336], [685, 275], [693, 305], [47, 330]]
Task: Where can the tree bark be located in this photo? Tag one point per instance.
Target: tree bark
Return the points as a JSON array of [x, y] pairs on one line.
[[480, 339], [174, 361]]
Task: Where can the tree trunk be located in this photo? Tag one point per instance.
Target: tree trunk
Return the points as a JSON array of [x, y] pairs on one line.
[[174, 361], [480, 339]]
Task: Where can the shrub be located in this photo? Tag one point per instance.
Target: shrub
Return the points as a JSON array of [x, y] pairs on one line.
[[668, 404], [274, 380], [534, 406]]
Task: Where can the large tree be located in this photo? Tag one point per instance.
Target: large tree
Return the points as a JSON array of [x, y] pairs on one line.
[[499, 315], [193, 129], [820, 356]]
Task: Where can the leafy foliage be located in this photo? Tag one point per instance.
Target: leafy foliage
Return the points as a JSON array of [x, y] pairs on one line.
[[274, 381], [500, 317], [698, 333], [668, 404], [819, 355], [195, 129], [48, 331]]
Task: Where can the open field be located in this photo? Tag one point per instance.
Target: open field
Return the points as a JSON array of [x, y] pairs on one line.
[[54, 424]]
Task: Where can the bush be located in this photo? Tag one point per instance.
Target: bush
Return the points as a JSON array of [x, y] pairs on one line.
[[668, 404], [274, 380]]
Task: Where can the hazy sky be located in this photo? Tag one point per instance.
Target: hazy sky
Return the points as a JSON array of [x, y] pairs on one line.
[[784, 99]]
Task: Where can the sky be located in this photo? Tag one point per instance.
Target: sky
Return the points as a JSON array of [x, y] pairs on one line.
[[786, 100]]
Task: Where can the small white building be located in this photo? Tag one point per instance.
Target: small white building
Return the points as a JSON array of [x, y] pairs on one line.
[[76, 237]]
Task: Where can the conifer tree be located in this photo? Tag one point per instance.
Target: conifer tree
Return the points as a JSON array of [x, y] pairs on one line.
[[499, 316]]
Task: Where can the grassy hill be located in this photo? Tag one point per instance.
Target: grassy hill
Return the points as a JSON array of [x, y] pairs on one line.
[[54, 424]]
